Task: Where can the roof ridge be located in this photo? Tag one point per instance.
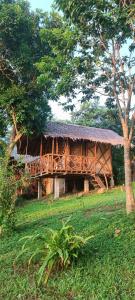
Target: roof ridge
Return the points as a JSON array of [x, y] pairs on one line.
[[76, 131], [79, 125]]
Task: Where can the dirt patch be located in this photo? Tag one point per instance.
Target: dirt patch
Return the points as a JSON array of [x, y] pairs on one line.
[[105, 208]]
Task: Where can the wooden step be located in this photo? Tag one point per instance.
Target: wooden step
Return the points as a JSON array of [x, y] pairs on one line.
[[97, 182], [100, 182]]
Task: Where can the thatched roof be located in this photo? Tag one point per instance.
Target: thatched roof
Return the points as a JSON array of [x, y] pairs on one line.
[[31, 145], [77, 132]]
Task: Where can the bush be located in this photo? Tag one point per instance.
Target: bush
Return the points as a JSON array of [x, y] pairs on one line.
[[7, 195], [9, 184], [55, 253]]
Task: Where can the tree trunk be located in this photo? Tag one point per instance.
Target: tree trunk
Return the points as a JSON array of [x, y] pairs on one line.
[[130, 202], [13, 140]]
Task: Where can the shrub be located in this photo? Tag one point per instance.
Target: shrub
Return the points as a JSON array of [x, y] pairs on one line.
[[9, 184], [7, 195], [55, 253]]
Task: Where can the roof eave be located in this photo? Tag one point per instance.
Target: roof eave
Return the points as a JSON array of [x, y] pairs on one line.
[[113, 143]]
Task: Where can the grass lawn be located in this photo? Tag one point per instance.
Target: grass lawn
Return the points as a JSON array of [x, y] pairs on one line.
[[105, 271]]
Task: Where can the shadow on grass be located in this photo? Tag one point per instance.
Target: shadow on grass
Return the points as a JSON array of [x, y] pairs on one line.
[[48, 221], [78, 217], [104, 209]]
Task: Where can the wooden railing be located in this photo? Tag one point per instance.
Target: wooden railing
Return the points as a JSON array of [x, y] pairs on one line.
[[62, 164]]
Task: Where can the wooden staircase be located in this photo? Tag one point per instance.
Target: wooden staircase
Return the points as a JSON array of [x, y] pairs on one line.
[[97, 182]]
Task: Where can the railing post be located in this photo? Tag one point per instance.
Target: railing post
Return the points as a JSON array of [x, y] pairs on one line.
[[40, 165]]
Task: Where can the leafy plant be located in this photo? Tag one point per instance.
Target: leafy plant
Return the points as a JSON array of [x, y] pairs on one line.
[[55, 253], [10, 181]]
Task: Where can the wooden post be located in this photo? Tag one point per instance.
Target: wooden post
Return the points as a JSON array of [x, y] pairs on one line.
[[56, 188], [87, 148], [52, 155], [40, 161], [68, 147], [39, 189], [112, 181], [82, 156], [86, 185], [82, 148], [57, 146], [59, 187], [95, 156], [49, 186], [111, 158], [52, 146]]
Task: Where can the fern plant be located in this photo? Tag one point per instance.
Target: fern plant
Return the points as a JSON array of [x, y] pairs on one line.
[[55, 253]]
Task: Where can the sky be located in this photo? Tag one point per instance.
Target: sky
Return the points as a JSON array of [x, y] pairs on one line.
[[42, 4], [57, 110]]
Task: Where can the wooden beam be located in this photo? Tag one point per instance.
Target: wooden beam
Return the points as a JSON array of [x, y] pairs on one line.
[[68, 147], [52, 146], [95, 155], [52, 154], [57, 149], [82, 148]]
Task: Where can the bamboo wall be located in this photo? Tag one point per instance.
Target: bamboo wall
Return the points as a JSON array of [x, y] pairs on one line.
[[98, 151]]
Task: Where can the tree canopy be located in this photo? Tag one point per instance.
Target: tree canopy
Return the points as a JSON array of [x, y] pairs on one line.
[[106, 46], [35, 47], [22, 101], [93, 114]]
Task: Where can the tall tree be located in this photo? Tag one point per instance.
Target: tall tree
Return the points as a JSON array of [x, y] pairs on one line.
[[23, 103], [106, 45], [34, 49]]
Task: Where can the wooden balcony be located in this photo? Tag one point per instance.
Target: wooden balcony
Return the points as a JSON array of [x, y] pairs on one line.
[[50, 164]]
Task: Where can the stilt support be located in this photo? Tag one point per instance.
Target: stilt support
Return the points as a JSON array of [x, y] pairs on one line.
[[59, 187], [112, 182], [86, 185]]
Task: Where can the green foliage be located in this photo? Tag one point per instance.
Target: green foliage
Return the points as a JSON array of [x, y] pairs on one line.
[[36, 49], [105, 270], [107, 62], [23, 103], [56, 252], [56, 66], [7, 195], [105, 51], [93, 114], [9, 184]]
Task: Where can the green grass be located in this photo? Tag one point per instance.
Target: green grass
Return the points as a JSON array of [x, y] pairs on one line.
[[105, 271]]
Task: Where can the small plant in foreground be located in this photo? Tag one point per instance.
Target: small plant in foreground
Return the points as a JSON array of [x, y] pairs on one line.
[[54, 253]]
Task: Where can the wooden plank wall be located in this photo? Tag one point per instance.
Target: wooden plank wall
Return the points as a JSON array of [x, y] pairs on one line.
[[100, 152]]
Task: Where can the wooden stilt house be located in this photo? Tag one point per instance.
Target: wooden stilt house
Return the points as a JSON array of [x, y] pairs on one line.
[[70, 157]]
